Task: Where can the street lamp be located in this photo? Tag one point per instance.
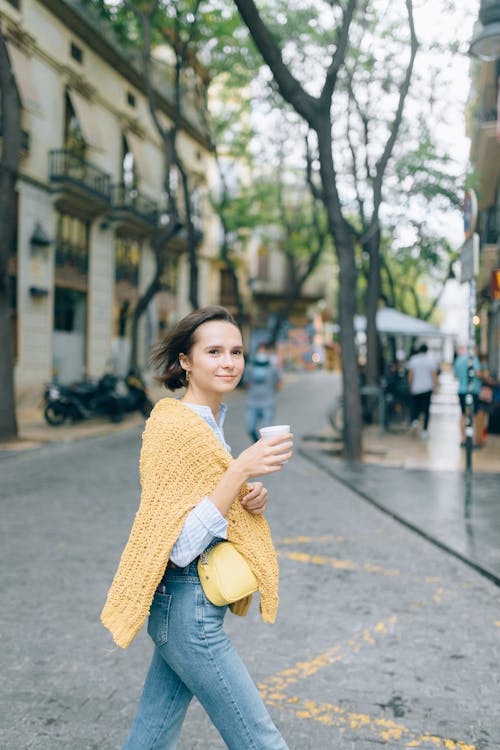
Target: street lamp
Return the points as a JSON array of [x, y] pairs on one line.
[[485, 43]]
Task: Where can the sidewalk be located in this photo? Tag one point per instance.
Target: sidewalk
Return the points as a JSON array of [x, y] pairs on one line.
[[422, 483], [34, 431]]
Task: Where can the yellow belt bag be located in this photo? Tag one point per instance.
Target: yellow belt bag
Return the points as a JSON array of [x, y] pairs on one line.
[[225, 575]]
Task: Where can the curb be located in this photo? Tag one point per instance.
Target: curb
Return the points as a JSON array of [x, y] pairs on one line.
[[481, 569], [27, 441]]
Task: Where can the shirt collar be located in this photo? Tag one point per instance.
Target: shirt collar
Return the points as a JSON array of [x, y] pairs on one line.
[[206, 412]]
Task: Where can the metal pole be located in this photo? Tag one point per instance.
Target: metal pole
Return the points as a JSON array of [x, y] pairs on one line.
[[469, 401]]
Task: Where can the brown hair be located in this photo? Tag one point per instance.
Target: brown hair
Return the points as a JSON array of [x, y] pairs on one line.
[[180, 340]]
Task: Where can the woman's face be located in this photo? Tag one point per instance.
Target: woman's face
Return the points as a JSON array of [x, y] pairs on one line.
[[216, 361]]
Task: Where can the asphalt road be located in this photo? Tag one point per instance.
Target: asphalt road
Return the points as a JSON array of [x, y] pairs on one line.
[[382, 640]]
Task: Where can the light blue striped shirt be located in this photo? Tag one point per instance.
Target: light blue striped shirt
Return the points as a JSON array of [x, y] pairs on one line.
[[204, 522]]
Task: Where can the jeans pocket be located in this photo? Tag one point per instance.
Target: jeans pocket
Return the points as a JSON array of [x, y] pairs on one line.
[[158, 619]]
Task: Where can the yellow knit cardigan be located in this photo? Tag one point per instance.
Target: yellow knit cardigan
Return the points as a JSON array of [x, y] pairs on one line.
[[181, 462]]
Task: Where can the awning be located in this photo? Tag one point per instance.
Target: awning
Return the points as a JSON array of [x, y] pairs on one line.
[[88, 119], [21, 65], [146, 169], [391, 321]]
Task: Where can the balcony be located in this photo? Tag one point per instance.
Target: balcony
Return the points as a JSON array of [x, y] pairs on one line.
[[489, 260], [132, 212], [80, 187], [485, 147]]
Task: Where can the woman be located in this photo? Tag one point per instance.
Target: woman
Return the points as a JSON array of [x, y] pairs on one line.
[[192, 493]]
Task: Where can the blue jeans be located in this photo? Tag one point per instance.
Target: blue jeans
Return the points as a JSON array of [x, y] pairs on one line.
[[256, 416], [194, 656]]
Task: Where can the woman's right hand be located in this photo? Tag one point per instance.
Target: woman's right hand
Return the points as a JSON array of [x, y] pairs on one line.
[[265, 456]]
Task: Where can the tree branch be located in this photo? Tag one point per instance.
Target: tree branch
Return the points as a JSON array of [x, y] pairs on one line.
[[290, 88], [325, 99], [359, 199], [384, 159]]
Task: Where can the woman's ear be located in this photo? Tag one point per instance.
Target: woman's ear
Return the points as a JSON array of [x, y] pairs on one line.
[[183, 361]]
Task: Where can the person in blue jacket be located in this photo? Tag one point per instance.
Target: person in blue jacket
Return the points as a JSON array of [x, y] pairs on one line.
[[263, 380]]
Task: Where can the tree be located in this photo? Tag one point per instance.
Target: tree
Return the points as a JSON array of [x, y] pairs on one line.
[[317, 111], [10, 114], [277, 205], [374, 69]]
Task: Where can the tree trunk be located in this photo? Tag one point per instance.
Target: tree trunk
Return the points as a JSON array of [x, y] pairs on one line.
[[139, 310], [344, 244], [192, 240], [9, 165], [372, 247]]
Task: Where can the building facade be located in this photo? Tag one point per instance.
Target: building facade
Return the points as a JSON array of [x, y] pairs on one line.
[[484, 131], [90, 195]]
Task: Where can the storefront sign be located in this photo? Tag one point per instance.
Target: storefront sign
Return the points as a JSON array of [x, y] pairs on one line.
[[495, 283]]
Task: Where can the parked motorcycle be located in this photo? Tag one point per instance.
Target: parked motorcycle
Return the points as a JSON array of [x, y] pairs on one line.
[[110, 396], [137, 398]]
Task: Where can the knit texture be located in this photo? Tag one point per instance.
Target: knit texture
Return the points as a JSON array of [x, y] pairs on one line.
[[181, 462]]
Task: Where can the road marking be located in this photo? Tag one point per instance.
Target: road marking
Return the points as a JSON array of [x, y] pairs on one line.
[[302, 539], [344, 564], [386, 729], [273, 687], [310, 539], [337, 563], [274, 692]]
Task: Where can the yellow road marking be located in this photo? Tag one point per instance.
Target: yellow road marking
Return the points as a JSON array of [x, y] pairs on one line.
[[327, 538], [273, 687], [337, 563], [386, 729], [310, 539]]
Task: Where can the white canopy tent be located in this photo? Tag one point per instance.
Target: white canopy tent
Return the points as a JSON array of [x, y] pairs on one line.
[[395, 323]]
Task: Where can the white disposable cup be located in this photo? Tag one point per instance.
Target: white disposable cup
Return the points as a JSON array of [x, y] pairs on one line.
[[274, 430]]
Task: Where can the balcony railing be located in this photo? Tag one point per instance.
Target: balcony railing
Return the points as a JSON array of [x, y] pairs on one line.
[[68, 167], [125, 199]]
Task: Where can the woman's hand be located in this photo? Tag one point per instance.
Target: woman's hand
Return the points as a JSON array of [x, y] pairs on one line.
[[255, 501], [264, 456]]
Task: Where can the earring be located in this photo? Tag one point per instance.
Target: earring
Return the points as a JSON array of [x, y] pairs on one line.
[[187, 375]]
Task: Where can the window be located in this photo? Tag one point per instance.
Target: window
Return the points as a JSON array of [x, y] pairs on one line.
[[76, 53], [69, 310], [130, 99], [127, 257], [72, 243], [227, 288], [73, 134], [129, 167]]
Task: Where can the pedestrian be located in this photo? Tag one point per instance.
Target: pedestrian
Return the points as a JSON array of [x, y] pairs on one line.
[[485, 399], [461, 371], [194, 492], [422, 380], [263, 381]]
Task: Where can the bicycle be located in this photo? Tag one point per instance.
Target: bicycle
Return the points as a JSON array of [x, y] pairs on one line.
[[396, 418]]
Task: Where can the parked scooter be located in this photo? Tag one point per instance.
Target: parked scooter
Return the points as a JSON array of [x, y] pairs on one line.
[[137, 396], [110, 396]]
